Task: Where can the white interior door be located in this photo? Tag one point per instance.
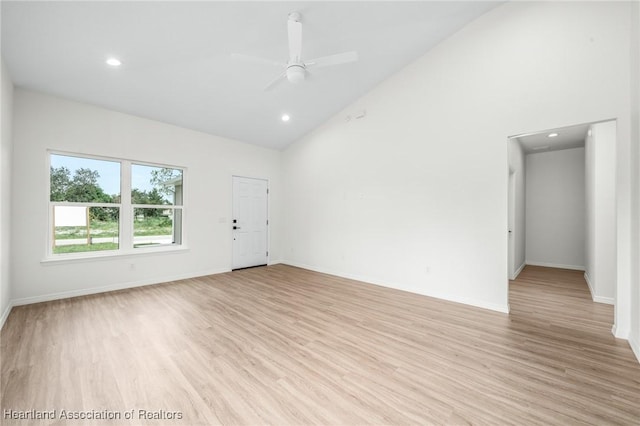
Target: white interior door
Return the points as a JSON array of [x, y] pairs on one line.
[[249, 222]]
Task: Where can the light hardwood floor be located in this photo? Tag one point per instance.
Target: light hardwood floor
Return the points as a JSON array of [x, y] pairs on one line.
[[281, 345]]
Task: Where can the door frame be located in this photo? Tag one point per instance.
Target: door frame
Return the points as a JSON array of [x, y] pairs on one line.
[[621, 313], [511, 224]]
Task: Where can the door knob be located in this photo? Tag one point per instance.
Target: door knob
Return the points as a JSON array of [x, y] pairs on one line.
[[236, 227]]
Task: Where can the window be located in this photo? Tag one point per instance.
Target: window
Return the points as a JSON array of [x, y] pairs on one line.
[[94, 208], [85, 200], [156, 197]]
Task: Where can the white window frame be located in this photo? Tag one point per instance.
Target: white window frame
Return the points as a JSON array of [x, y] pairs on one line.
[[125, 217]]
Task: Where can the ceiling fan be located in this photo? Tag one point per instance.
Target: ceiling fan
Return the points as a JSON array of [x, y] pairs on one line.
[[295, 69]]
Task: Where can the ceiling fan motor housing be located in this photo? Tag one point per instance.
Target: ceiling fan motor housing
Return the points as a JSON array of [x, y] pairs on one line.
[[295, 16]]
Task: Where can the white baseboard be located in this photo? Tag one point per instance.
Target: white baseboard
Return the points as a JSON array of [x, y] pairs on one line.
[[451, 298], [554, 265], [635, 347], [5, 314], [594, 297], [273, 262], [621, 332], [605, 300], [515, 274], [591, 290], [123, 286]]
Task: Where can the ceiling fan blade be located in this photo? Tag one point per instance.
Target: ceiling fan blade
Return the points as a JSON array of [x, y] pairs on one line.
[[275, 81], [256, 60], [337, 59], [295, 40]]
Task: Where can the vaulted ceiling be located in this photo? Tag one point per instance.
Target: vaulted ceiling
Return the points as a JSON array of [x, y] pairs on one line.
[[177, 65]]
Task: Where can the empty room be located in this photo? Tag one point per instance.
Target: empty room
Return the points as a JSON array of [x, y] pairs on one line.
[[328, 213]]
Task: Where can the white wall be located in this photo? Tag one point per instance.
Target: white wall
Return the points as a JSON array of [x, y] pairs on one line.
[[6, 93], [413, 196], [44, 122], [518, 166], [600, 265], [634, 338], [555, 208]]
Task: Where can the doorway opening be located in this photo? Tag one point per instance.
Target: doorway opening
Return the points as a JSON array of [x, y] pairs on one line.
[[562, 203]]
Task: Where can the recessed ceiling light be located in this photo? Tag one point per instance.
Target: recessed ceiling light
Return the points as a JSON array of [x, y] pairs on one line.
[[114, 62], [285, 117], [552, 135]]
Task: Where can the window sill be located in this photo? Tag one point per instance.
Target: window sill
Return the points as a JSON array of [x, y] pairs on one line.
[[111, 255]]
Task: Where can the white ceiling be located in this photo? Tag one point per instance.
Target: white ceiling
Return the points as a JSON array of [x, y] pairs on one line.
[[176, 57], [568, 137]]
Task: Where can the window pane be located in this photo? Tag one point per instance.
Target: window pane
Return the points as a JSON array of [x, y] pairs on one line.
[[84, 180], [152, 227], [81, 229], [156, 185]]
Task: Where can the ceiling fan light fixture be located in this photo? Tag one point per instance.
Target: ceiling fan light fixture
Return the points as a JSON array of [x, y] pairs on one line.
[[295, 73]]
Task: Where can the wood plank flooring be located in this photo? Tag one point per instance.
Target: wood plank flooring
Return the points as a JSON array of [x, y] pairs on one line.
[[285, 346]]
